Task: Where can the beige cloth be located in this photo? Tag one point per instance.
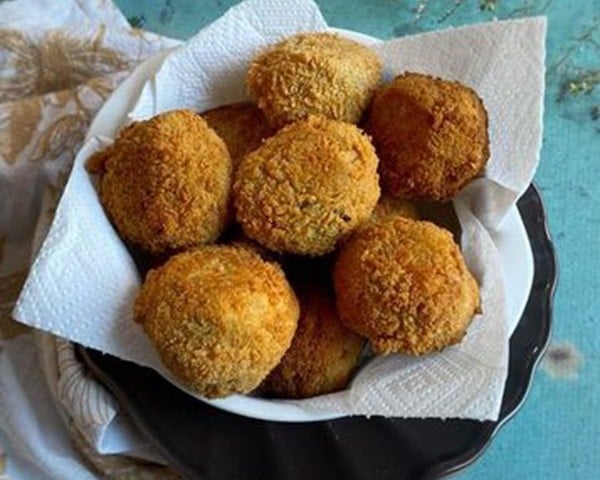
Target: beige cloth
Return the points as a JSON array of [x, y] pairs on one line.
[[59, 61]]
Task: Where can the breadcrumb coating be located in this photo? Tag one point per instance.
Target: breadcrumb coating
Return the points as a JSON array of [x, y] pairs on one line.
[[165, 182], [313, 74], [242, 126], [307, 186], [220, 317], [431, 136], [404, 285], [389, 206], [238, 239], [323, 354]]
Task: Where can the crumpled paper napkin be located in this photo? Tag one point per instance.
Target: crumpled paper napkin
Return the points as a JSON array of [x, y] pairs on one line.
[[83, 282]]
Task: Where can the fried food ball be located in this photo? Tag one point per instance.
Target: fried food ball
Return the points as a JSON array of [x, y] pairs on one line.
[[431, 136], [307, 186], [323, 354], [389, 206], [165, 182], [242, 126], [220, 317], [404, 285], [313, 74]]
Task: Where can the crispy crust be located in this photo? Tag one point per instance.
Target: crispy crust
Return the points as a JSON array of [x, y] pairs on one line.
[[242, 126], [313, 74], [307, 186], [323, 353], [165, 182], [389, 206], [430, 134], [404, 285], [220, 317]]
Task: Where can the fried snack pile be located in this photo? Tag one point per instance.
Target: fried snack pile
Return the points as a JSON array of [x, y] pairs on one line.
[[304, 184]]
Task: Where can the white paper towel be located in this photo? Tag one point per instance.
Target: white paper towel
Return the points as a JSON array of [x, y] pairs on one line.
[[82, 283]]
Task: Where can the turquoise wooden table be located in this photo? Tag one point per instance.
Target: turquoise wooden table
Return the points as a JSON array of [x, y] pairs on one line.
[[557, 432]]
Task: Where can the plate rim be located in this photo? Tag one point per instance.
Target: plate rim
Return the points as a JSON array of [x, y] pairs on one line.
[[443, 469]]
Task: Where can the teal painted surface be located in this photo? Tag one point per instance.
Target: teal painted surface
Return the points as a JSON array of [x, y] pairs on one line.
[[556, 435]]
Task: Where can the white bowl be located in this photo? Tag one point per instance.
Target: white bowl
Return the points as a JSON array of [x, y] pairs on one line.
[[511, 240]]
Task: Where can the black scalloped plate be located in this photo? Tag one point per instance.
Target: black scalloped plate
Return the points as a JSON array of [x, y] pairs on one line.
[[203, 442]]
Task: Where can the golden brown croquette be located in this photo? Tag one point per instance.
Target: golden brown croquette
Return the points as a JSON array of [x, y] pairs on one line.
[[388, 206], [323, 354], [165, 182], [220, 317], [404, 285], [313, 74], [431, 136], [242, 126], [307, 186]]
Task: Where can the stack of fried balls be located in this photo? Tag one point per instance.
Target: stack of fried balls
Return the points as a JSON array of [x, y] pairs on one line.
[[287, 240]]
